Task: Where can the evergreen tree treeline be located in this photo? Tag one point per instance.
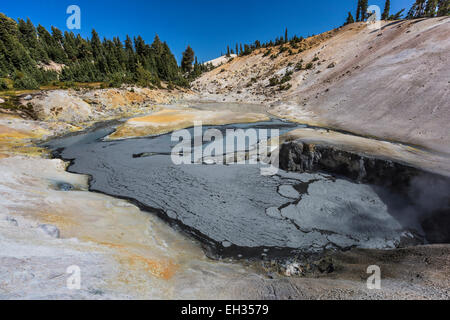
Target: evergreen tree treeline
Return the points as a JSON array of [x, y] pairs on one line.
[[25, 49], [387, 8], [429, 9], [420, 9], [246, 49]]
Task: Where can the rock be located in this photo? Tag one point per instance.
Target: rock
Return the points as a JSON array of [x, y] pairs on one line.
[[325, 265], [308, 157], [50, 230], [64, 186], [62, 105], [12, 221], [293, 269], [209, 162], [332, 65], [226, 244], [28, 97], [2, 101], [298, 156], [23, 276]]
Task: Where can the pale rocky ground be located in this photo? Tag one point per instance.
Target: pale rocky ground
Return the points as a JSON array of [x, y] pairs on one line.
[[126, 253], [84, 106], [390, 83], [122, 252], [172, 119], [221, 60]]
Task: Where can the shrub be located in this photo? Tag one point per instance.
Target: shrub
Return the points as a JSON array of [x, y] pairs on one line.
[[267, 53], [67, 85], [23, 81], [309, 66], [116, 80], [287, 77], [283, 49], [274, 81], [251, 82], [4, 84], [145, 78], [285, 87]]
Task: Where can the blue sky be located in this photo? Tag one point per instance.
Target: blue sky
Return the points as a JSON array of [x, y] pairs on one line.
[[208, 26]]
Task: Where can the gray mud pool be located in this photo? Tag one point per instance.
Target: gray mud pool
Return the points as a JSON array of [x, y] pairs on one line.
[[233, 209]]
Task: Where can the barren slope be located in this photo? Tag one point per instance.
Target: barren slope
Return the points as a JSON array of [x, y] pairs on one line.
[[391, 83]]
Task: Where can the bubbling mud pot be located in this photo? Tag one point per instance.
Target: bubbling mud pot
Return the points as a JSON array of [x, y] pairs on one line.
[[234, 211]]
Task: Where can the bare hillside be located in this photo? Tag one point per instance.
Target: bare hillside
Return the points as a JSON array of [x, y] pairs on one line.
[[391, 83]]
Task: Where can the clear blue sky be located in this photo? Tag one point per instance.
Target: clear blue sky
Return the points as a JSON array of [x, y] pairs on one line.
[[207, 25]]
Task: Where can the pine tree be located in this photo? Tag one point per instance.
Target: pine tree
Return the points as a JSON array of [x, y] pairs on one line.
[[349, 19], [23, 48], [70, 47], [130, 57], [58, 40], [358, 11], [188, 58], [141, 48], [430, 9], [16, 57], [286, 36], [443, 8], [396, 16], [167, 66], [28, 37], [417, 10], [387, 7], [96, 44], [421, 8], [129, 45], [364, 7]]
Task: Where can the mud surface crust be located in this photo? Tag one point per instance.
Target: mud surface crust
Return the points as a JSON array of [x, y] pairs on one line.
[[233, 208]]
